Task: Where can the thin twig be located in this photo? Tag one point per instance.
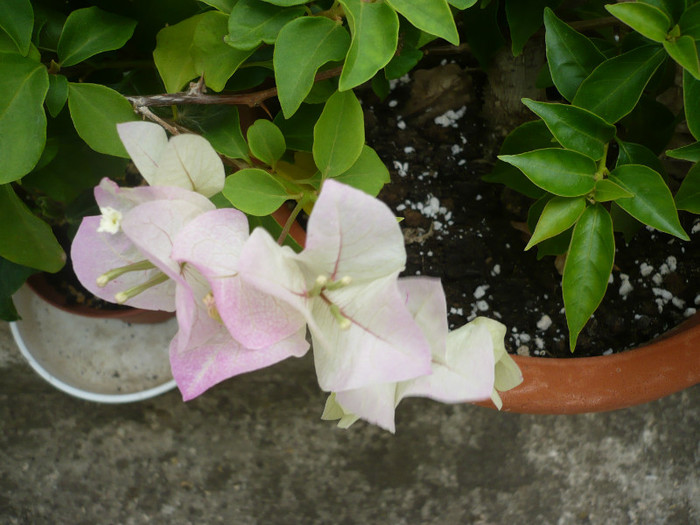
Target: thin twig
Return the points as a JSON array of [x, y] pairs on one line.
[[249, 99], [174, 129]]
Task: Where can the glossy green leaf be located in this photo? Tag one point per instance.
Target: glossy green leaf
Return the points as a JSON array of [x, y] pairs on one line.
[[375, 33], [684, 51], [615, 86], [562, 172], [23, 86], [17, 20], [339, 134], [402, 63], [57, 95], [12, 277], [223, 131], [574, 128], [689, 22], [302, 47], [266, 141], [558, 215], [606, 190], [96, 110], [90, 31], [462, 4], [646, 19], [572, 57], [368, 174], [298, 130], [254, 191], [526, 137], [172, 55], [24, 238], [631, 153], [652, 203], [587, 268], [672, 8], [557, 245], [688, 195], [690, 152], [253, 22], [650, 124], [524, 19], [432, 16], [691, 102]]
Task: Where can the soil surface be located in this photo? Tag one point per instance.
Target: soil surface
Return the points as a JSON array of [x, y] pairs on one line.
[[471, 233]]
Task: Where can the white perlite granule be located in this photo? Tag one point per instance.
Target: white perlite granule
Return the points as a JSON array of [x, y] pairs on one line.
[[450, 117], [480, 291], [544, 322], [482, 306], [496, 270], [625, 287], [689, 312], [645, 269]]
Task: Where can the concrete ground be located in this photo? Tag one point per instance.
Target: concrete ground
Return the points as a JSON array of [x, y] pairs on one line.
[[254, 451]]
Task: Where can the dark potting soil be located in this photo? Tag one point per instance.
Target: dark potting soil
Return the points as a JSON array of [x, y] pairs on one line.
[[470, 233]]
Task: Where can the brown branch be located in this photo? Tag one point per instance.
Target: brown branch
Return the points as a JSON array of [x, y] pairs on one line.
[[249, 99]]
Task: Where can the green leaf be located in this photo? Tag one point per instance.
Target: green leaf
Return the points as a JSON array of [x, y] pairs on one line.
[[17, 20], [195, 47], [691, 101], [689, 22], [684, 51], [402, 63], [12, 277], [253, 22], [90, 31], [96, 110], [615, 86], [254, 191], [672, 8], [650, 124], [302, 47], [529, 136], [266, 142], [339, 134], [213, 59], [652, 203], [222, 5], [558, 215], [688, 195], [23, 86], [24, 238], [631, 153], [587, 268], [574, 128], [606, 190], [298, 130], [223, 131], [524, 19], [57, 95], [483, 33], [562, 172], [432, 16], [375, 33], [572, 57], [646, 19], [368, 174], [690, 152], [462, 4]]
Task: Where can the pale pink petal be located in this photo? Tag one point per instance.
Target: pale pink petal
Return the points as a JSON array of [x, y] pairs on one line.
[[425, 300], [206, 354], [383, 343], [94, 253], [375, 404], [467, 374], [189, 161], [144, 142], [352, 234], [152, 226]]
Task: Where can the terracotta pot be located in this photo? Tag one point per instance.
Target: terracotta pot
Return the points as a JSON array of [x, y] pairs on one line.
[[39, 285], [595, 384]]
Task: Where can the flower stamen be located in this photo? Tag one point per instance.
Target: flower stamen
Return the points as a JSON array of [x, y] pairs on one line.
[[124, 296], [343, 321], [106, 277]]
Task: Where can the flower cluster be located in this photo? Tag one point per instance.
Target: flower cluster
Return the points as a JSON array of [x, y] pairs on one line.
[[244, 302]]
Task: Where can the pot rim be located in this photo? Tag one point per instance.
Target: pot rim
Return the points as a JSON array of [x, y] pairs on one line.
[[663, 366]]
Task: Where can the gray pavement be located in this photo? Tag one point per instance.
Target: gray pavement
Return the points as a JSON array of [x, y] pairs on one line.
[[254, 451]]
